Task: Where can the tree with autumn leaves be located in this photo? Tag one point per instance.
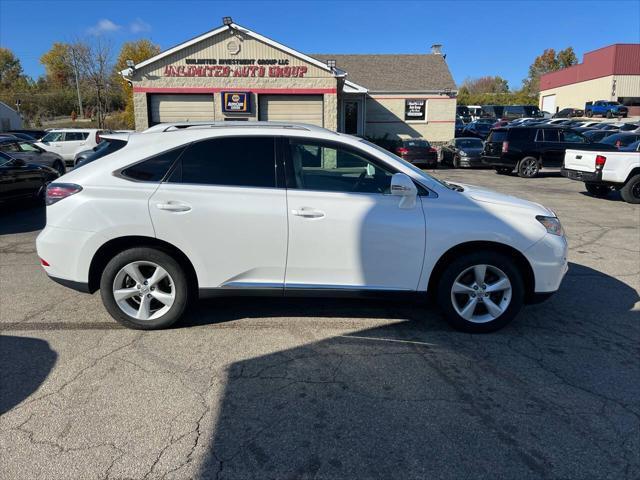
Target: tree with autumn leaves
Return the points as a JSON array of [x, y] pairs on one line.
[[549, 61]]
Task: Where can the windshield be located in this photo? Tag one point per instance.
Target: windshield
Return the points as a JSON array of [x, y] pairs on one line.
[[409, 165], [469, 143]]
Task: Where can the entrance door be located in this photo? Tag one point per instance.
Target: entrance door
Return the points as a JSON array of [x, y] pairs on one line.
[[345, 230], [222, 208], [351, 117]]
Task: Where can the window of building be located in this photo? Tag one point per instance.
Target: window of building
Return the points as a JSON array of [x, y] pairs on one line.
[[230, 161], [327, 168]]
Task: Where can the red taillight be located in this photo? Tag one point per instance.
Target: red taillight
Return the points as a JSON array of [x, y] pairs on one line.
[[44, 263], [402, 150], [600, 161], [58, 191], [433, 150], [618, 143], [505, 146]]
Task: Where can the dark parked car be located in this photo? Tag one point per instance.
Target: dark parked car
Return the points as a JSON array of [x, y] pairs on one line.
[[621, 139], [419, 152], [632, 147], [19, 179], [511, 112], [462, 152], [21, 136], [595, 136], [629, 127], [569, 112], [477, 129], [607, 126], [528, 149], [31, 153], [35, 134], [463, 113], [459, 127]]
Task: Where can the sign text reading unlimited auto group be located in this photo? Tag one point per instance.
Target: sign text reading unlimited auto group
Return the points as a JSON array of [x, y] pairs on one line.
[[235, 67]]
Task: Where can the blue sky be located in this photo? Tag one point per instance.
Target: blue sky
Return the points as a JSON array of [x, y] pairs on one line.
[[479, 38]]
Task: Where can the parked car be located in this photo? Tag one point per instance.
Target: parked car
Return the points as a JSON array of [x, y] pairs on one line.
[[546, 114], [463, 113], [604, 171], [20, 180], [418, 152], [569, 112], [596, 136], [477, 129], [21, 136], [620, 139], [69, 141], [492, 111], [529, 149], [110, 144], [632, 147], [459, 127], [510, 112], [606, 109], [288, 209], [629, 127], [34, 134], [32, 153], [462, 152]]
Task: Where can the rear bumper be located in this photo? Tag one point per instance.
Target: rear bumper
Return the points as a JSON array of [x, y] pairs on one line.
[[68, 253], [581, 176], [77, 286], [498, 162], [431, 161]]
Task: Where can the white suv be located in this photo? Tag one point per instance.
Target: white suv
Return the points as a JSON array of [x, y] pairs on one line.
[[259, 208], [66, 142]]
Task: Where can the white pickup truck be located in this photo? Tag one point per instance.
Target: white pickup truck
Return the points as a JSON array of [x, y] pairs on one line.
[[604, 171]]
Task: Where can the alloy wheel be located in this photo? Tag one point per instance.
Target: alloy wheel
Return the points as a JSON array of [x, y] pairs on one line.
[[481, 293], [529, 168], [144, 290]]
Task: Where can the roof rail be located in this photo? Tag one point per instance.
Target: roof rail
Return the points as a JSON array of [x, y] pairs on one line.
[[174, 126]]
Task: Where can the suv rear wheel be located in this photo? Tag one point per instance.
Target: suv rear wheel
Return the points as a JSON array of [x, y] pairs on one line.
[[528, 167], [480, 292], [631, 191], [144, 288]]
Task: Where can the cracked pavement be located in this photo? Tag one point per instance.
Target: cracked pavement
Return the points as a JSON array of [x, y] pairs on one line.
[[331, 389]]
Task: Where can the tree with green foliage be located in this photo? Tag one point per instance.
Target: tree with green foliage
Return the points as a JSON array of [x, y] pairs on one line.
[[137, 51]]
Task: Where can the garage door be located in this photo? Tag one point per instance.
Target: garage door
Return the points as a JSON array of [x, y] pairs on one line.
[[181, 108], [549, 103], [291, 108]]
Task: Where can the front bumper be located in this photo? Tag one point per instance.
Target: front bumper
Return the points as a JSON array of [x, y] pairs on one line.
[[548, 259], [582, 176], [472, 161]]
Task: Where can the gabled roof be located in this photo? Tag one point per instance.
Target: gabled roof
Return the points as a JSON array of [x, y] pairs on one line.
[[395, 72]]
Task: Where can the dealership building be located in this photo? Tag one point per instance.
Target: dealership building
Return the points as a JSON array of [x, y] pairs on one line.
[[609, 73], [232, 73]]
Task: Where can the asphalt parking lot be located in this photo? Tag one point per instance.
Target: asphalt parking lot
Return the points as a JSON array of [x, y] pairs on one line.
[[331, 389]]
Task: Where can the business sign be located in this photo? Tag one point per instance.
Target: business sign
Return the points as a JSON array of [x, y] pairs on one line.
[[236, 67], [236, 102], [414, 109]]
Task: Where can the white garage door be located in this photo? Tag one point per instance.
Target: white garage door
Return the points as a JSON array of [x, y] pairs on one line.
[[181, 108], [291, 108], [549, 103]]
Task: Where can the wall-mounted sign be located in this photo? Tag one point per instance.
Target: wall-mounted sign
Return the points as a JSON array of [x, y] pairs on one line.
[[414, 109], [236, 67], [236, 102]]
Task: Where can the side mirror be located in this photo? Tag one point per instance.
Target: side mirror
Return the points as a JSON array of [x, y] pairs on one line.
[[18, 162], [402, 186]]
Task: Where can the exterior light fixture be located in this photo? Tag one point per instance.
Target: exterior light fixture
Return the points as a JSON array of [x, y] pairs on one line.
[[331, 64], [227, 21]]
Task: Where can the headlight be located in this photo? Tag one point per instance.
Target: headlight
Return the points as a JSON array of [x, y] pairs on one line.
[[463, 153], [552, 224]]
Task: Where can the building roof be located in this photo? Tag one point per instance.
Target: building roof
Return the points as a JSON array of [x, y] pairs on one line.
[[616, 59], [394, 72]]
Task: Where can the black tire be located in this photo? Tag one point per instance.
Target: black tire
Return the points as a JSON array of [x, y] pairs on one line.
[[145, 254], [630, 192], [59, 166], [597, 190], [528, 167], [503, 170], [459, 265], [609, 114], [456, 162]]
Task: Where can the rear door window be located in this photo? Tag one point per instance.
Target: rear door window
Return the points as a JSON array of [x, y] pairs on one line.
[[230, 161], [550, 135]]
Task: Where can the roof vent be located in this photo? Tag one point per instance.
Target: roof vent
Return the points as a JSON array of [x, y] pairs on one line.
[[436, 49]]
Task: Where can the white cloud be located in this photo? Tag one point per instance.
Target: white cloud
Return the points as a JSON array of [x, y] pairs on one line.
[[139, 26], [104, 26]]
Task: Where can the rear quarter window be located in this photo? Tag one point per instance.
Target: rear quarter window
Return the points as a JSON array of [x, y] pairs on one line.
[[497, 136], [519, 134], [153, 169]]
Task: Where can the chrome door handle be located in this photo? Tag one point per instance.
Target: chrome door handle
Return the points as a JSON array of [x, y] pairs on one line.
[[173, 207], [307, 212]]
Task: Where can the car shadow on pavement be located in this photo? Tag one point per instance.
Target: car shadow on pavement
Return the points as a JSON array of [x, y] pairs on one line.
[[22, 218], [549, 396], [25, 363]]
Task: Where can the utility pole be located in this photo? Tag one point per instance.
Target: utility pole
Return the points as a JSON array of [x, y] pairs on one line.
[[75, 70]]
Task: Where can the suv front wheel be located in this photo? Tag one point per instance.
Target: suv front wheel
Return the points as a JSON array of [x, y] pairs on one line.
[[144, 288], [480, 292]]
